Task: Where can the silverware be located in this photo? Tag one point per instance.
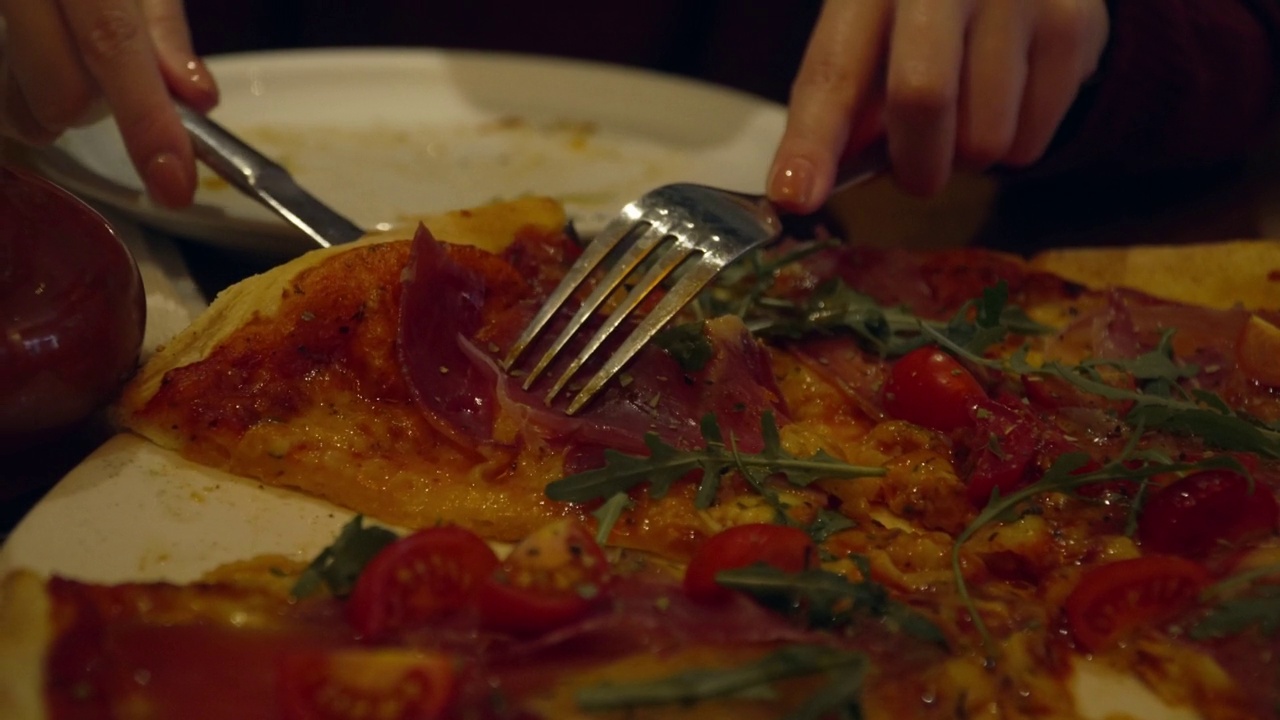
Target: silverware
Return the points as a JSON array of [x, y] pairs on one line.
[[695, 228], [265, 181]]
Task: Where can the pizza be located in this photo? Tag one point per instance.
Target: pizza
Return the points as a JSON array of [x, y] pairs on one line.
[[849, 482]]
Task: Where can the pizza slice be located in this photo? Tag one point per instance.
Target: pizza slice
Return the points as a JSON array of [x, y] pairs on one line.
[[435, 625], [1066, 482]]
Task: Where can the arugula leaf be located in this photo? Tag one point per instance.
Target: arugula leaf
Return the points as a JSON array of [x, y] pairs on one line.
[[666, 464], [891, 331], [1259, 608], [1221, 430], [1234, 611], [993, 320], [840, 699], [607, 515], [828, 523], [687, 344], [828, 599], [1156, 364], [1065, 475], [742, 284], [692, 686], [1161, 403], [338, 566]]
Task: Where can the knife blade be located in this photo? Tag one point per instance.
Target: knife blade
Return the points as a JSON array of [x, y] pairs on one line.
[[265, 181]]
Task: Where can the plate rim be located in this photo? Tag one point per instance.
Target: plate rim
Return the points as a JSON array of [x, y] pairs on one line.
[[214, 224]]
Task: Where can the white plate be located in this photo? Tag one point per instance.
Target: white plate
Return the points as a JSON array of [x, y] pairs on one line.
[[387, 135], [135, 512]]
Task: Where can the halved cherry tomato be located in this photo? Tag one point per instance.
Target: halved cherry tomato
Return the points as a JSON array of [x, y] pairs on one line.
[[930, 388], [353, 683], [423, 576], [1113, 599], [1192, 515], [1004, 444], [786, 548], [550, 579]]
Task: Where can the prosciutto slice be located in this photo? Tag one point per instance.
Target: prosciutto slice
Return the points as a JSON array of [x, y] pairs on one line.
[[461, 309]]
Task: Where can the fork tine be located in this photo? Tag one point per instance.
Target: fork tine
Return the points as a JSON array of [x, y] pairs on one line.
[[595, 253], [670, 259], [635, 254], [689, 285], [661, 268]]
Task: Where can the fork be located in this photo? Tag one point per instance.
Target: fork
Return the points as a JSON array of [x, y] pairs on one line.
[[700, 227]]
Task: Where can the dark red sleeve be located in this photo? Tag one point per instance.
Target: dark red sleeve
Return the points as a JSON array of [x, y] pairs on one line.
[[1183, 82]]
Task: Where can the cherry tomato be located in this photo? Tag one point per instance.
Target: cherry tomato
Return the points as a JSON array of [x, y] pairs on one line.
[[786, 548], [428, 574], [72, 311], [1192, 515], [1004, 444], [1113, 599], [553, 577], [349, 684], [930, 388]]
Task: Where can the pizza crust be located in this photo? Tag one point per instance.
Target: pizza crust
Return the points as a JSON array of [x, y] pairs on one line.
[[1217, 275], [26, 632]]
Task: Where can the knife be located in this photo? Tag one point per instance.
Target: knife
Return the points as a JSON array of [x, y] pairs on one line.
[[265, 181]]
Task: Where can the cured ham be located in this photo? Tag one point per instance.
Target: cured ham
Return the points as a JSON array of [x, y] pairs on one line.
[[460, 310]]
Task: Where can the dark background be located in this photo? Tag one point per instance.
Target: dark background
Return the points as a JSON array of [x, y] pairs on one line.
[[754, 46], [757, 46]]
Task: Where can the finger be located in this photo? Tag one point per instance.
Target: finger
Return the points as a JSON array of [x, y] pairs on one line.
[[186, 75], [45, 64], [995, 75], [922, 92], [1065, 49], [16, 118], [118, 51], [830, 92]]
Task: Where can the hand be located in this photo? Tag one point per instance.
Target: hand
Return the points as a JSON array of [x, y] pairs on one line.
[[968, 83], [64, 62]]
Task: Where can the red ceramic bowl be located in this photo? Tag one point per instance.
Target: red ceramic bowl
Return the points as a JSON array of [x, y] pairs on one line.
[[72, 311]]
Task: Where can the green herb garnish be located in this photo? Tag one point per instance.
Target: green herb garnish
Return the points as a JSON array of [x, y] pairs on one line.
[[688, 344], [1159, 403], [665, 464], [889, 331], [827, 599], [1241, 602], [1065, 475], [750, 680], [338, 566], [607, 515]]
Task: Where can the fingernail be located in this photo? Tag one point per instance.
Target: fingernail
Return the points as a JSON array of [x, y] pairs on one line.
[[169, 180], [792, 182], [202, 81]]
